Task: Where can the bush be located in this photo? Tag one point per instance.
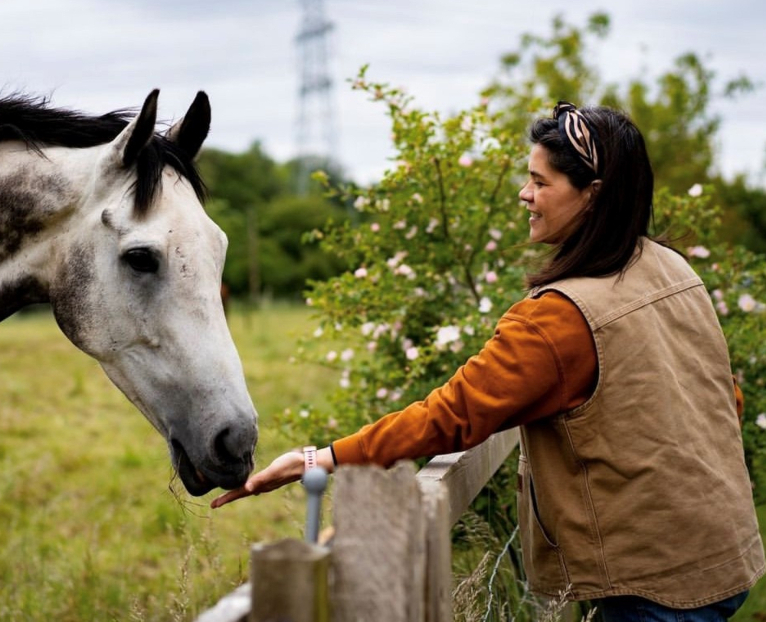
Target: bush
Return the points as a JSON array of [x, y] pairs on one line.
[[439, 253]]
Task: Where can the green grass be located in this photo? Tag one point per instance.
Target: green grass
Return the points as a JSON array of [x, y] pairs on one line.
[[90, 528]]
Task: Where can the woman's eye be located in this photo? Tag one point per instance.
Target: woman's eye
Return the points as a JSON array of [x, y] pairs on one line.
[[141, 260]]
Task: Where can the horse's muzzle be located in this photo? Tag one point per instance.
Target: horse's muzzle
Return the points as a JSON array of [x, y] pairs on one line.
[[213, 472]]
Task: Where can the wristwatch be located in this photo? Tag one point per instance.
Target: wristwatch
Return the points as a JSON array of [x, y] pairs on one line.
[[309, 457]]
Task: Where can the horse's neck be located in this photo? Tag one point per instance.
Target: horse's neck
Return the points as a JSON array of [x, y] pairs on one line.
[[38, 195]]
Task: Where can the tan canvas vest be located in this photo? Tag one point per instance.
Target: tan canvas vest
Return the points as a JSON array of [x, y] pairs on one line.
[[643, 489]]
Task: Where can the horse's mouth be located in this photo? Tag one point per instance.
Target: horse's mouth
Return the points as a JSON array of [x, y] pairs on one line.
[[194, 480], [199, 480]]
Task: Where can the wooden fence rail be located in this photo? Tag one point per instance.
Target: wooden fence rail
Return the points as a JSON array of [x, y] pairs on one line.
[[390, 558]]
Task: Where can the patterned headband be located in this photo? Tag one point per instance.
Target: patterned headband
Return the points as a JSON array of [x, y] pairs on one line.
[[576, 130]]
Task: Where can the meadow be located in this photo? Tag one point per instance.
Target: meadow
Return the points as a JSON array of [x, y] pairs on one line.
[[94, 527]]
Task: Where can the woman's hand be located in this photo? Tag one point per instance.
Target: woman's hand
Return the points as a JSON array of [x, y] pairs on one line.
[[283, 470], [287, 468]]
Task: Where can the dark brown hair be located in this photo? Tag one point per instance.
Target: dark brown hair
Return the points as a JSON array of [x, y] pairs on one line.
[[604, 240]]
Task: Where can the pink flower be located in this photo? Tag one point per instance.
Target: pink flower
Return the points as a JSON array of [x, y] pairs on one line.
[[374, 227], [347, 354], [491, 277], [747, 303], [491, 246], [381, 393], [699, 251], [465, 160], [412, 353], [360, 273]]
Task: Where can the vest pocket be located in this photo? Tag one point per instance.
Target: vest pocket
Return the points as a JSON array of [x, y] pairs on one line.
[[542, 558]]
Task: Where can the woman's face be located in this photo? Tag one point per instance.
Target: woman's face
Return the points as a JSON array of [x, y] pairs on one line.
[[553, 202]]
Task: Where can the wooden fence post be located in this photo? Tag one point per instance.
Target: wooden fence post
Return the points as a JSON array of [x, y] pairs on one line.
[[439, 551], [289, 581], [378, 552]]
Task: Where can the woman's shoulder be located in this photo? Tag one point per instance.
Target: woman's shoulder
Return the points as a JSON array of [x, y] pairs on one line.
[[551, 306]]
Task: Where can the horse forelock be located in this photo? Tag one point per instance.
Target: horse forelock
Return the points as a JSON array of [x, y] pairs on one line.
[[31, 120]]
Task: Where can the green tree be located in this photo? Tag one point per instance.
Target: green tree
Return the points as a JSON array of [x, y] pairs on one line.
[[253, 199], [241, 185]]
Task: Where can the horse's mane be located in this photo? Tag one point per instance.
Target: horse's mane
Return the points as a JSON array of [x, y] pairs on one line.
[[31, 120]]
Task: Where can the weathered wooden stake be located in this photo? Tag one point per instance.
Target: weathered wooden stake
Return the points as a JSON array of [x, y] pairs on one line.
[[289, 581], [378, 552]]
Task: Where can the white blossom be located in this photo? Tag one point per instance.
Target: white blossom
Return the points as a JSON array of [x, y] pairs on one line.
[[405, 270], [361, 202], [396, 259], [760, 421], [412, 353], [331, 356], [360, 273], [485, 305], [695, 190], [447, 334]]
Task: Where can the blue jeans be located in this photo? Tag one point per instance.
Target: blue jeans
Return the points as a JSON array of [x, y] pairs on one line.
[[635, 609]]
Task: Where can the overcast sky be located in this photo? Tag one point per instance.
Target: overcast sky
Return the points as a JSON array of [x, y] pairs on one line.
[[100, 55]]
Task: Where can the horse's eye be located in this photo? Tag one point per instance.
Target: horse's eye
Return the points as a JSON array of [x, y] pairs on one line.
[[141, 260]]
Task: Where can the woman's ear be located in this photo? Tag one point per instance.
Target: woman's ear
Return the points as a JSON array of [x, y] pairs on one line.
[[595, 186], [593, 190]]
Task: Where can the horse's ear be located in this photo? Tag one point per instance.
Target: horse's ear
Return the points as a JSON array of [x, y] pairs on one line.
[[137, 134], [190, 132]]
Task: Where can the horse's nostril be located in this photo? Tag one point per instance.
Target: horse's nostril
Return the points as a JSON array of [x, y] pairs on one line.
[[222, 449]]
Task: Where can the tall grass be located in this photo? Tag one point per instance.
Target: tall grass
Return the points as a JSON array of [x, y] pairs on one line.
[[93, 525]]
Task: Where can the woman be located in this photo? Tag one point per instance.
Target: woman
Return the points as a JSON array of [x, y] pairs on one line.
[[633, 489]]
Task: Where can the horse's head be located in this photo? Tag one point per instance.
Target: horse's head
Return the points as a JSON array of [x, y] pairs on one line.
[[138, 288]]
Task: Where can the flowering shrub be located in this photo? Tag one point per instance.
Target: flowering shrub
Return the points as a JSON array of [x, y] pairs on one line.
[[438, 252]]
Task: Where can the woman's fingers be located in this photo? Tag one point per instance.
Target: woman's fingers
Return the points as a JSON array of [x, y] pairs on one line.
[[283, 470]]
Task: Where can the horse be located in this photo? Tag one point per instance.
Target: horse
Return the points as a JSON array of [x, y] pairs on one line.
[[102, 217]]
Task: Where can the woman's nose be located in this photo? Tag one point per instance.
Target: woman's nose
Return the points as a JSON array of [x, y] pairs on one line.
[[524, 193]]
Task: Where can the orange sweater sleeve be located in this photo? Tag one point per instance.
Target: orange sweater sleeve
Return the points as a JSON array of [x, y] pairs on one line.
[[541, 361]]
